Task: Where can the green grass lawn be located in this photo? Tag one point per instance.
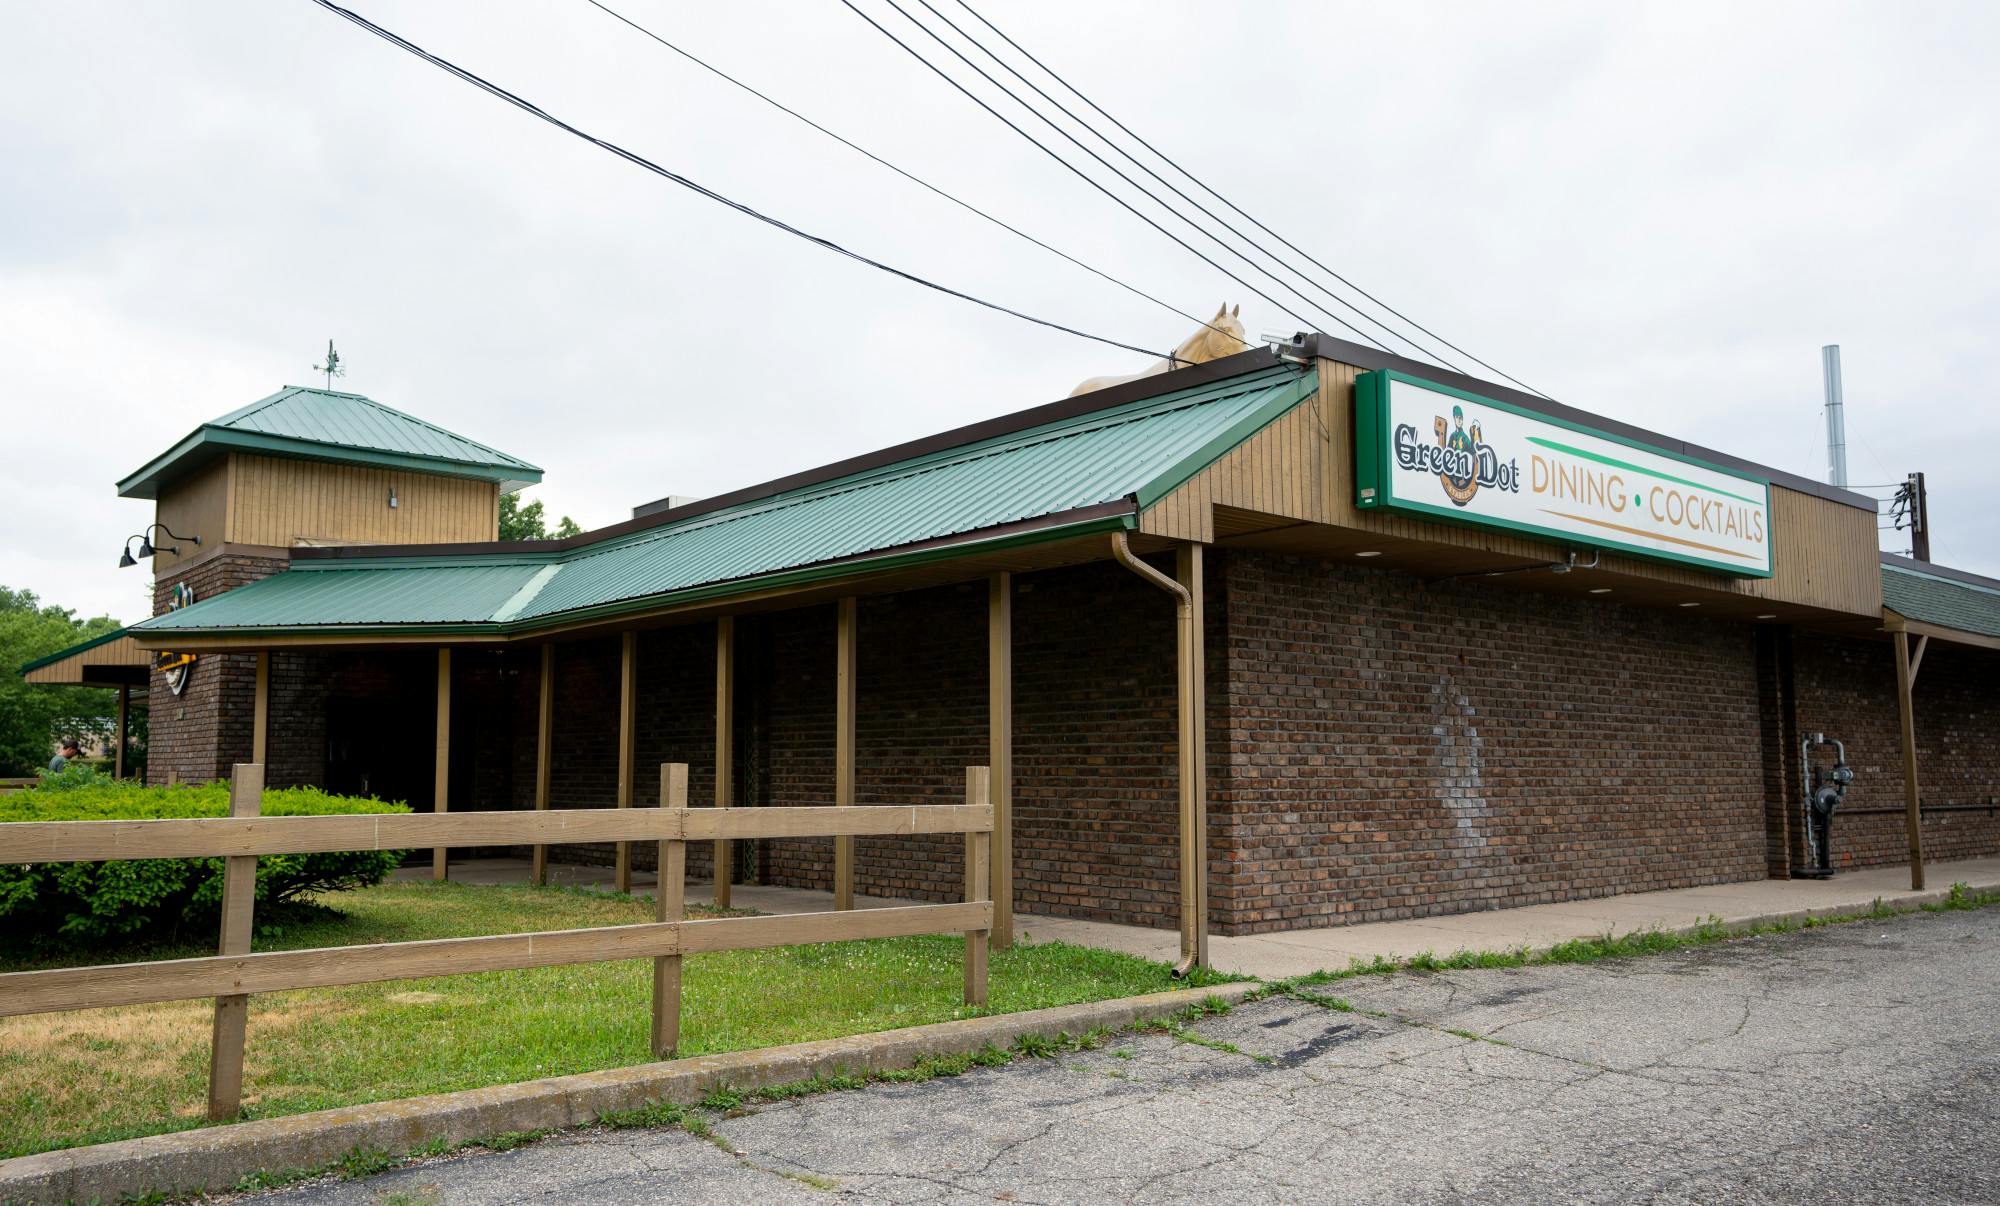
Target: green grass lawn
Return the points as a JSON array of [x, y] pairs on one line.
[[96, 1075]]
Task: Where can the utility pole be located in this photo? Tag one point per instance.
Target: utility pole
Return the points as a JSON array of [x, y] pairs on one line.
[[1836, 419], [1920, 519]]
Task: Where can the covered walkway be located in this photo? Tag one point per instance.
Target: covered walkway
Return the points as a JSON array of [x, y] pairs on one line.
[[1296, 952]]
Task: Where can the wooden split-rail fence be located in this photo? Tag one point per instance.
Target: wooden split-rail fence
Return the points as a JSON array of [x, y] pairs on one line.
[[232, 975]]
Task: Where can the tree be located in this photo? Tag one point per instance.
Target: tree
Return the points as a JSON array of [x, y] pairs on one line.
[[33, 715], [523, 521]]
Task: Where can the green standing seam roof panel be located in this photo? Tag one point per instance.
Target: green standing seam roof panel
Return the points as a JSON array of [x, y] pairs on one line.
[[1141, 450], [1943, 601], [330, 425]]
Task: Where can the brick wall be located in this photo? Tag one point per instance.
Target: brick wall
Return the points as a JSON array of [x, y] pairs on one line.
[[198, 735], [1397, 750], [1847, 689], [675, 723], [1095, 796]]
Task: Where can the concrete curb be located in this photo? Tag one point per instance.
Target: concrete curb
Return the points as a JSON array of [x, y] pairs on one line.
[[215, 1158], [1903, 902]]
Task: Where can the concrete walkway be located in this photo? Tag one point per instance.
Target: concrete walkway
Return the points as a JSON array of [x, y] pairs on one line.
[[1296, 952]]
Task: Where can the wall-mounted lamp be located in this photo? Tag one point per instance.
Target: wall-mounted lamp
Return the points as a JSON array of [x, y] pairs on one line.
[[146, 547], [392, 498]]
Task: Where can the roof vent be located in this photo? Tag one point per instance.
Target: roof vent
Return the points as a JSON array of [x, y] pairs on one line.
[[663, 504]]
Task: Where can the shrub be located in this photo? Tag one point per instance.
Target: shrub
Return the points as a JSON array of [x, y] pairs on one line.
[[77, 774], [46, 905]]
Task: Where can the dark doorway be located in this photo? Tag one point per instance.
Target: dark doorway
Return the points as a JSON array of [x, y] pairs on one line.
[[381, 746]]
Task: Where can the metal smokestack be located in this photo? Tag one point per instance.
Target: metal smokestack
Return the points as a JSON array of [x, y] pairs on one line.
[[1836, 418]]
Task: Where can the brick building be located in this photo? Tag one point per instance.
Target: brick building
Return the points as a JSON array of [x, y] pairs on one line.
[[1273, 641]]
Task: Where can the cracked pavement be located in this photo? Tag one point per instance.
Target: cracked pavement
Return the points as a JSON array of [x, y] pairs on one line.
[[1858, 1063]]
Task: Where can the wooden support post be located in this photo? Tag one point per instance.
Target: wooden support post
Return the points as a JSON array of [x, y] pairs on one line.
[[124, 715], [1193, 710], [544, 746], [1913, 808], [978, 882], [239, 898], [260, 716], [843, 750], [671, 897], [441, 783], [1000, 747], [628, 746], [725, 748]]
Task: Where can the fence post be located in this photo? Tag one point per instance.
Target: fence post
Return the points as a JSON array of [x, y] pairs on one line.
[[239, 898], [670, 894], [978, 882]]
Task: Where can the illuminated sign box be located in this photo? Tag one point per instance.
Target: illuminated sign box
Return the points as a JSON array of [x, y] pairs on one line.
[[1445, 454]]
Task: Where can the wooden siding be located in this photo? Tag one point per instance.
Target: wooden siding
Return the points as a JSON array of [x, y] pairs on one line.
[[1277, 472], [197, 505], [123, 652], [284, 503], [1291, 487]]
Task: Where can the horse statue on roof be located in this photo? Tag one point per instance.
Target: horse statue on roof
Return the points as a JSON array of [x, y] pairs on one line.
[[1218, 337]]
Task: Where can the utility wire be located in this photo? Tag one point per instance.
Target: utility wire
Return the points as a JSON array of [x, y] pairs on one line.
[[1169, 185], [1078, 172], [1114, 170], [914, 179], [1232, 205], [641, 161]]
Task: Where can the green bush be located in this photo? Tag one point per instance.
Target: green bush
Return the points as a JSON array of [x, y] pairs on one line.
[[75, 775], [44, 905]]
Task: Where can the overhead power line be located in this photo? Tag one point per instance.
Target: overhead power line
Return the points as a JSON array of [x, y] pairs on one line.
[[1078, 172], [1211, 215], [1203, 185], [637, 160], [913, 178]]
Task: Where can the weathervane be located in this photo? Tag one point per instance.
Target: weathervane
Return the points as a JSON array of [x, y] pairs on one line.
[[332, 367]]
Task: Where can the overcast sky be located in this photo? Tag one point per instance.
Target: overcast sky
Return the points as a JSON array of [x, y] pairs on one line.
[[1653, 212]]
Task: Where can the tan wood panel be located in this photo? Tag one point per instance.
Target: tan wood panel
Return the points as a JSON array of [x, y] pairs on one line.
[[279, 971], [1000, 750], [544, 740], [239, 898], [723, 859], [284, 502], [670, 904], [845, 676], [1275, 473], [1823, 552], [628, 738], [196, 505], [752, 933], [124, 652], [864, 820], [221, 837], [441, 773]]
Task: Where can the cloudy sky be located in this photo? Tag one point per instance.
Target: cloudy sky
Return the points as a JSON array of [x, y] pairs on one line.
[[1654, 212]]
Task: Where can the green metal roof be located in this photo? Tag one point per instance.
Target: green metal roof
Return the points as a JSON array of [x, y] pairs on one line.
[[1132, 454], [1951, 602], [327, 425]]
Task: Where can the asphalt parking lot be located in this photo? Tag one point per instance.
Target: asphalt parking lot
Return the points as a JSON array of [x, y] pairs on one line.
[[1858, 1063]]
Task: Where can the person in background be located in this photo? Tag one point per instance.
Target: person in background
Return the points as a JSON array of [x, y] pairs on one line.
[[70, 748]]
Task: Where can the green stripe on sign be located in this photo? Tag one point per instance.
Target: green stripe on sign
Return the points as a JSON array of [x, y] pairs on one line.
[[1606, 460]]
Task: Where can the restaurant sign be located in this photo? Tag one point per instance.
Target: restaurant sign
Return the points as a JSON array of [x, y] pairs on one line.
[[1442, 453]]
